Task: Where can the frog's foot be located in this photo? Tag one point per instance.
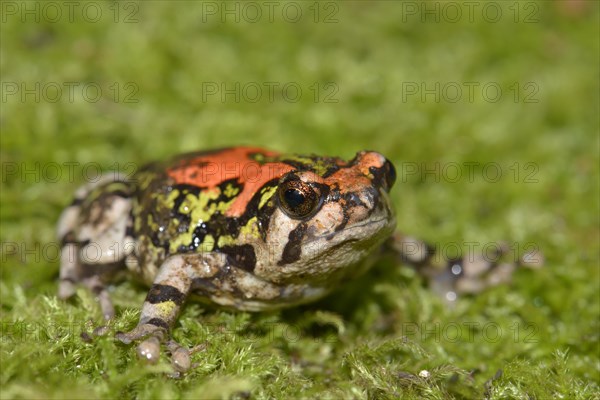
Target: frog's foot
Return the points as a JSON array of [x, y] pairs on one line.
[[69, 267], [470, 274], [95, 285], [66, 289], [148, 349], [152, 337], [475, 273]]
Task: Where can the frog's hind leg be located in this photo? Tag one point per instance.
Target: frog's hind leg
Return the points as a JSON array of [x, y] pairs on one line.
[[93, 233], [69, 254]]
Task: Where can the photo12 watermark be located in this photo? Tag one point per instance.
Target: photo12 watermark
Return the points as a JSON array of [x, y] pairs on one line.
[[438, 332], [251, 12], [252, 171], [491, 12], [470, 332], [95, 252], [51, 12], [468, 172], [68, 92], [269, 91], [68, 171], [469, 92]]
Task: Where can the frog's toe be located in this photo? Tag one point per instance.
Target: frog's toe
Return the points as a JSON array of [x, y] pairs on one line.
[[180, 356], [101, 330], [96, 332], [149, 350]]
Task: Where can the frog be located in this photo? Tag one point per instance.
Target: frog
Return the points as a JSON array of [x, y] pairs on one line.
[[243, 228]]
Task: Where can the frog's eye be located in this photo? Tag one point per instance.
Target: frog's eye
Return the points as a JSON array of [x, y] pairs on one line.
[[390, 174], [299, 199]]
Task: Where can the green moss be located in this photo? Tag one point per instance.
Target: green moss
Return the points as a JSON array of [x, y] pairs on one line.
[[363, 81]]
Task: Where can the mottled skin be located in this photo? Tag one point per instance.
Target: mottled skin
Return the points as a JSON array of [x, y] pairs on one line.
[[244, 228]]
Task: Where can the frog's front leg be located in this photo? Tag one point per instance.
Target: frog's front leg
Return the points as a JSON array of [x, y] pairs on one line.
[[172, 285]]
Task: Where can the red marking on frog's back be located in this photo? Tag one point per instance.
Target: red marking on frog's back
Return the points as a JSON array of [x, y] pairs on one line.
[[209, 170]]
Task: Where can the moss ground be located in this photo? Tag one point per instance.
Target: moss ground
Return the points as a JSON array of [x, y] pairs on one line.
[[489, 111]]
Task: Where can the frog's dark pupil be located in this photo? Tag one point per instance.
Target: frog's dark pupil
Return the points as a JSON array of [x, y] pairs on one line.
[[294, 198]]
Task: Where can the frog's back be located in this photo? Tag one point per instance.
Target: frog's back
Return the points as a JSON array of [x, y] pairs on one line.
[[215, 201]]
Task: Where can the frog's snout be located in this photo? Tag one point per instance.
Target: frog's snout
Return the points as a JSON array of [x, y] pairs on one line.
[[374, 165]]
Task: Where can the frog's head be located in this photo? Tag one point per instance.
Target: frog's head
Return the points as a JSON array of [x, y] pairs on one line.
[[327, 215]]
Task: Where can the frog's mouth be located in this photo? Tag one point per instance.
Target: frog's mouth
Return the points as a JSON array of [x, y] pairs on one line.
[[325, 258], [357, 240], [328, 258], [369, 228]]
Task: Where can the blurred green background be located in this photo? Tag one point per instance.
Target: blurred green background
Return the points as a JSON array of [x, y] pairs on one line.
[[508, 87]]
